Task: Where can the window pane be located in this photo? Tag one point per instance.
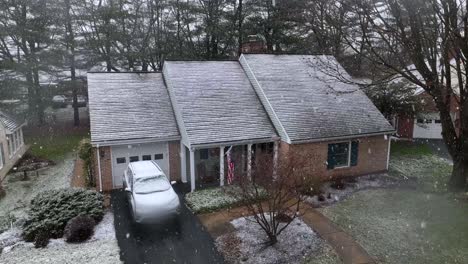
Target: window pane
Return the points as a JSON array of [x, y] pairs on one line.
[[420, 121], [146, 157], [121, 160], [134, 158], [203, 154], [437, 121], [158, 156], [341, 154]]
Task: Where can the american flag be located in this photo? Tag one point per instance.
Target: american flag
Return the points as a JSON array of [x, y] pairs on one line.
[[230, 163]]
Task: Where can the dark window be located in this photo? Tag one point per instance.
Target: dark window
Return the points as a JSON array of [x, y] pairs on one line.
[[420, 121], [338, 155], [428, 121], [134, 158], [203, 154], [158, 156], [437, 121], [267, 147], [121, 160], [146, 157]]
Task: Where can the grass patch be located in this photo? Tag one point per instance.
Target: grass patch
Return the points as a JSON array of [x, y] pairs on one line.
[[326, 255], [214, 199], [404, 226], [54, 147], [412, 160], [407, 148]]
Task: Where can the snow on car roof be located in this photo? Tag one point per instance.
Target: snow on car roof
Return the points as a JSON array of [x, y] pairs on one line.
[[143, 169]]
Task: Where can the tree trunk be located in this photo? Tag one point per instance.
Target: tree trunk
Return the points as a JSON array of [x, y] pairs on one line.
[[457, 181]]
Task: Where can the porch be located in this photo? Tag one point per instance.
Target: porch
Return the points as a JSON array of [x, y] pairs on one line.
[[211, 166]]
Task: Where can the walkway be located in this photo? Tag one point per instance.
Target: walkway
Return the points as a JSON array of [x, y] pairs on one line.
[[345, 246]]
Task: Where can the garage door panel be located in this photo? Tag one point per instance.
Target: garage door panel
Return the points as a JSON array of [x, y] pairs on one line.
[[122, 155], [430, 130]]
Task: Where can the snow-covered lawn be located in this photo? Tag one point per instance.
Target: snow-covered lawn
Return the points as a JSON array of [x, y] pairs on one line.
[[212, 199], [19, 193], [296, 244], [101, 248], [405, 226], [431, 171]]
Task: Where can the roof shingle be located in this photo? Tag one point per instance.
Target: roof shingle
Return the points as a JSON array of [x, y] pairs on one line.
[[127, 106], [217, 102], [309, 103]]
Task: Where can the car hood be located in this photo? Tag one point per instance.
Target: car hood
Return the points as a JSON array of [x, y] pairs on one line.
[[156, 199]]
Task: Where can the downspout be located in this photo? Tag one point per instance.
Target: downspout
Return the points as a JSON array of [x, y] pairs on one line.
[[388, 149], [99, 167]]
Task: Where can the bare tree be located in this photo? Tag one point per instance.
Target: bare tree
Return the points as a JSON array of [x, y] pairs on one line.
[[272, 195], [424, 42]]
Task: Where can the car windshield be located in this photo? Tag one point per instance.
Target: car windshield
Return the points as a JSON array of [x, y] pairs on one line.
[[151, 184]]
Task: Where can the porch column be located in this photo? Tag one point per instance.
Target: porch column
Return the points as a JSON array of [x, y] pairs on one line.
[[192, 170], [275, 158], [183, 162], [249, 161], [221, 166]]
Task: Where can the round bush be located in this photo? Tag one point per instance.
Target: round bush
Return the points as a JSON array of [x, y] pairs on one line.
[[79, 229], [51, 210]]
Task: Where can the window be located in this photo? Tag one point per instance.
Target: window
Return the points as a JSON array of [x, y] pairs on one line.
[[134, 158], [428, 121], [146, 157], [340, 154], [420, 121], [344, 154], [158, 156], [203, 154], [10, 146], [267, 147], [437, 121], [121, 160]]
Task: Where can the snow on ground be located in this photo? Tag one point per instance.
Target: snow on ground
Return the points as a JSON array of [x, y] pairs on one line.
[[246, 244], [19, 193], [101, 248], [332, 195]]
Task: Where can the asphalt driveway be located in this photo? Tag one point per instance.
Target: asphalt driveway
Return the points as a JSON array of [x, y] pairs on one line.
[[182, 241]]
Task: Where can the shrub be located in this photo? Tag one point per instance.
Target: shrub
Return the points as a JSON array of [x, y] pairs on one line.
[[41, 240], [51, 210], [79, 229], [311, 186], [85, 152]]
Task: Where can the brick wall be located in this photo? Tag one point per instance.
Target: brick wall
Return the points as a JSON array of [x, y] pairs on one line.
[[372, 157], [106, 168], [174, 160]]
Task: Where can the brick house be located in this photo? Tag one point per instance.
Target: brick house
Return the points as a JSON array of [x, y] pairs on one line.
[[196, 116], [12, 145]]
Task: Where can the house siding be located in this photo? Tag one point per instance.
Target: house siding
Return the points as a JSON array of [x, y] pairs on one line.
[[106, 168], [9, 162], [372, 157]]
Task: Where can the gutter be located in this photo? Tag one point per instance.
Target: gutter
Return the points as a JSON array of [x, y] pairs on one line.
[[134, 141], [99, 167], [234, 143], [342, 137]]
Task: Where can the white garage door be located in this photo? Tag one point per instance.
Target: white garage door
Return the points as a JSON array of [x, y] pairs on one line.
[[427, 128], [122, 155]]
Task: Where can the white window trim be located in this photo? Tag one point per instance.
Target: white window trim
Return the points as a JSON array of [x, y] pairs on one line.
[[1, 157], [349, 155]]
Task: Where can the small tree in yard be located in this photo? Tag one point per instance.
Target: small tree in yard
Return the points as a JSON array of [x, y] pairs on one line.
[[273, 195]]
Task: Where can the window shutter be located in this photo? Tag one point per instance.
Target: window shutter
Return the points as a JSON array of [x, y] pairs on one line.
[[331, 157], [354, 152]]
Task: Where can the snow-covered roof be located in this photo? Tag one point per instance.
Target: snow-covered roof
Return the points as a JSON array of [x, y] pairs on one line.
[[10, 123]]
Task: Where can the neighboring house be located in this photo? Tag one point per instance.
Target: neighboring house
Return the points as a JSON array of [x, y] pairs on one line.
[[12, 145], [193, 113], [426, 123]]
